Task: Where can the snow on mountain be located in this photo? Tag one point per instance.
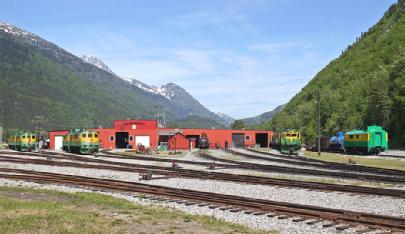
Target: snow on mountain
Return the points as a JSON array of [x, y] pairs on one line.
[[11, 29], [228, 119], [164, 90], [96, 62]]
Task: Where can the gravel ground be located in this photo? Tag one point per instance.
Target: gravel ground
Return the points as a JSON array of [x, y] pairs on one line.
[[243, 172], [261, 222], [373, 204], [235, 157], [237, 171], [286, 157]]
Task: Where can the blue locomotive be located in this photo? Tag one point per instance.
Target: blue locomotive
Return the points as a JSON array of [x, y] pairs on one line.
[[337, 142]]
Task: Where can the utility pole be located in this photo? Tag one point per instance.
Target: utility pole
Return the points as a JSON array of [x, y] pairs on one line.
[[37, 122], [158, 115], [319, 121], [164, 117]]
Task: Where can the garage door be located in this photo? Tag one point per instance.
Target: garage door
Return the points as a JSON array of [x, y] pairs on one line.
[[238, 139], [144, 140], [58, 142]]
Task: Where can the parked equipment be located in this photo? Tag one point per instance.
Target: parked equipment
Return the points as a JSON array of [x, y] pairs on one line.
[[371, 141], [23, 141], [288, 142], [81, 141], [203, 142]]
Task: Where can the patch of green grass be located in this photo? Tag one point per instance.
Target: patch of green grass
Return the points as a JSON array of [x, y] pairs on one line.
[[26, 210], [360, 160]]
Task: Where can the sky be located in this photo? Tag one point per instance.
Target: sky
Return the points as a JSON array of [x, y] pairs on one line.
[[239, 57]]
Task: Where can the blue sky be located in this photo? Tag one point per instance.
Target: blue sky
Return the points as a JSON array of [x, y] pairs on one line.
[[240, 57]]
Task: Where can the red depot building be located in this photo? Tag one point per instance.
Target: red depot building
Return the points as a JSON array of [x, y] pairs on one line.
[[147, 133]]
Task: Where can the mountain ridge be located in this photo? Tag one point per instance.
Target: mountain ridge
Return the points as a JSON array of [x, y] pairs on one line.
[[39, 78], [175, 94], [266, 116]]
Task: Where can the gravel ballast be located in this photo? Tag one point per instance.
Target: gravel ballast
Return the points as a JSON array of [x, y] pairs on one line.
[[261, 222], [364, 203]]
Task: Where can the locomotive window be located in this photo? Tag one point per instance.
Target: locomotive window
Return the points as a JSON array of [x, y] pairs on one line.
[[357, 136], [351, 136], [89, 135], [83, 135], [131, 138], [247, 138], [33, 137], [111, 138], [23, 137], [95, 135]]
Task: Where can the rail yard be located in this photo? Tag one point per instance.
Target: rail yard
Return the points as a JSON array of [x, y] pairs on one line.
[[231, 175], [267, 190]]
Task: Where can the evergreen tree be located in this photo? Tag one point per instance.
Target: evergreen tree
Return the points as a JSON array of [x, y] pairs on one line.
[[238, 124], [379, 104]]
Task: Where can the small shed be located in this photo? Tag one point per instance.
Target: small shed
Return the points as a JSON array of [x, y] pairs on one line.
[[178, 141]]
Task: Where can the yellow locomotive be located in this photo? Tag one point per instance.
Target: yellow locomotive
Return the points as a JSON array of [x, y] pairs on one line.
[[22, 141]]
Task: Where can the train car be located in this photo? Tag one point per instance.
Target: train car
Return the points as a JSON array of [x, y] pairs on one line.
[[23, 141], [203, 142], [288, 142], [371, 141], [325, 142], [81, 141]]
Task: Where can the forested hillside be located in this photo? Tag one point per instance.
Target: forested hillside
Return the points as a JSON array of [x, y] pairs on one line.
[[365, 85], [38, 78]]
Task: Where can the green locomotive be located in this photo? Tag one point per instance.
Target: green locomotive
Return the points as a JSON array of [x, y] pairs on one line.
[[22, 141], [371, 141], [287, 142], [81, 141]]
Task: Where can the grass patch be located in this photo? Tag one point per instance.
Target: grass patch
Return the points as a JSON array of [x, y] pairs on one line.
[[360, 160], [24, 210]]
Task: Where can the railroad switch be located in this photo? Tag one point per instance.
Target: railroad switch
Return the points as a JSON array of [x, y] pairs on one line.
[[175, 165], [212, 166], [147, 176]]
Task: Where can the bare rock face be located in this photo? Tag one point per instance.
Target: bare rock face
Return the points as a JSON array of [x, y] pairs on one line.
[[96, 62]]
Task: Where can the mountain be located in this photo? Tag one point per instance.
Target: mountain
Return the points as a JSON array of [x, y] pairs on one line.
[[38, 78], [96, 62], [263, 117], [175, 98], [228, 119], [365, 85]]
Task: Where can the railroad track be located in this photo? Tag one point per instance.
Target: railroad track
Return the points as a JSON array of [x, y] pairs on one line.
[[313, 172], [342, 219], [251, 166], [196, 174], [392, 178], [318, 163]]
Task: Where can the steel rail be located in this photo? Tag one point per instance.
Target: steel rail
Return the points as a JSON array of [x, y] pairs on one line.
[[195, 174], [322, 164], [313, 172], [281, 208]]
